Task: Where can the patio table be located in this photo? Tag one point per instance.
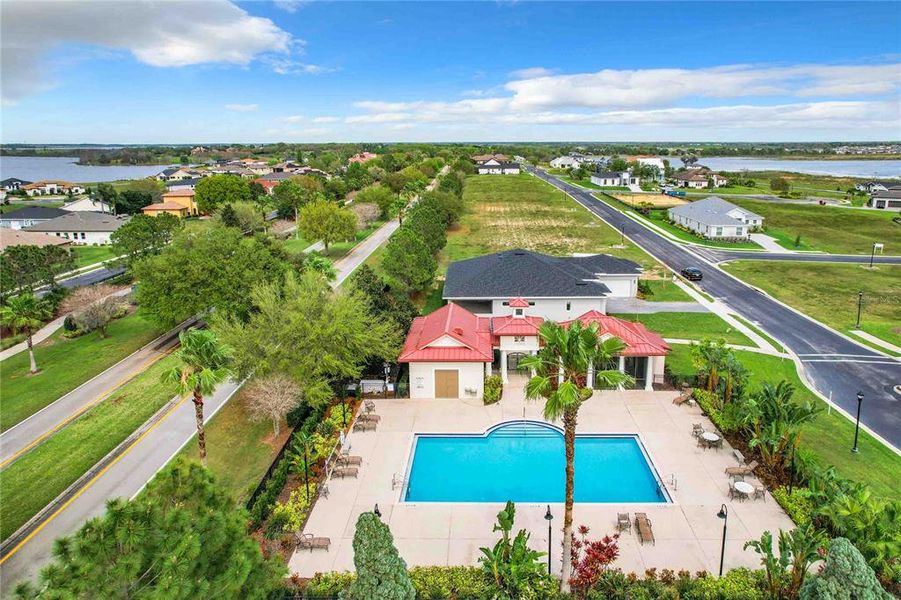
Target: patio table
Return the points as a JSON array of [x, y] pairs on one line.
[[744, 488]]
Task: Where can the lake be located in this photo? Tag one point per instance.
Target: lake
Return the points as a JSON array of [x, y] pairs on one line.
[[32, 168], [877, 169]]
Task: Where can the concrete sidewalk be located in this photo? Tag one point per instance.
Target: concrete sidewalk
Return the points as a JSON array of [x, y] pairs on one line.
[[769, 243]]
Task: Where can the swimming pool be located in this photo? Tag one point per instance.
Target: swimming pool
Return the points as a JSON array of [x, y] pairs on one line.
[[524, 461]]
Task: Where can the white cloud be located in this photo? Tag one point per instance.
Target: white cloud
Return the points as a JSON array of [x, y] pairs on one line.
[[291, 6], [326, 119], [290, 66], [531, 73], [242, 107], [294, 119], [156, 33]]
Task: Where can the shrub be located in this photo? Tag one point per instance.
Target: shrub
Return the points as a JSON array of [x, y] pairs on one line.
[[294, 512], [69, 324], [462, 583], [381, 572], [329, 585], [797, 504], [845, 576], [644, 288], [494, 388]]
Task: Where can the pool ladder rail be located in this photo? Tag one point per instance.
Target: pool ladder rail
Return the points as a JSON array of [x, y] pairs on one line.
[[397, 482]]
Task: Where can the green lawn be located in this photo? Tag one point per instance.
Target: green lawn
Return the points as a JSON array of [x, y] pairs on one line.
[[828, 292], [664, 290], [89, 255], [238, 450], [829, 437], [659, 217], [39, 476], [342, 249], [295, 245], [65, 364], [690, 326], [828, 228], [521, 211]]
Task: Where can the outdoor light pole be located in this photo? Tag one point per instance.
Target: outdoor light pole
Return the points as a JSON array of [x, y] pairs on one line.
[[377, 512], [872, 254], [791, 481], [859, 304], [622, 235], [306, 470], [724, 515], [548, 517], [387, 369], [857, 426]]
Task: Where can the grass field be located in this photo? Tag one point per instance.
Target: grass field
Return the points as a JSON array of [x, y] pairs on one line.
[[521, 211], [828, 292], [65, 364], [660, 218], [89, 255], [39, 476], [664, 290], [806, 184], [295, 245], [829, 437], [689, 326], [239, 450], [828, 228]]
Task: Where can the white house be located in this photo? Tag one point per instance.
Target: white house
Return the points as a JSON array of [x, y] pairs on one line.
[[890, 198], [51, 187], [28, 216], [495, 167], [83, 228], [12, 184], [715, 218], [699, 179], [87, 204], [651, 161], [611, 179], [564, 162]]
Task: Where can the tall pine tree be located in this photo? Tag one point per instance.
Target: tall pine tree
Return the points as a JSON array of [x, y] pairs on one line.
[[381, 572]]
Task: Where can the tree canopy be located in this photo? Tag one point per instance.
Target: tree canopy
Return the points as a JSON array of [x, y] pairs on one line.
[[408, 260], [377, 194], [28, 267], [324, 220], [207, 267], [381, 572], [144, 236], [430, 226], [213, 191]]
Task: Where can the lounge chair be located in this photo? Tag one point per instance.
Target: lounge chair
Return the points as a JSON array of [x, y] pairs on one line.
[[365, 425], [343, 472], [623, 522], [742, 469], [349, 461], [368, 406], [682, 398], [369, 417], [645, 532], [306, 540]]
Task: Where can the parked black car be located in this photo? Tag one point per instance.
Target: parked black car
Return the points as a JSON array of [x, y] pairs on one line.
[[692, 274]]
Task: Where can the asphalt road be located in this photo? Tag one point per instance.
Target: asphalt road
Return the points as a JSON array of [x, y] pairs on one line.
[[91, 278], [716, 255], [836, 366]]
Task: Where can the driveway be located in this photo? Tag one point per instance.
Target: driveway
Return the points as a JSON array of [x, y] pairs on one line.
[[836, 366]]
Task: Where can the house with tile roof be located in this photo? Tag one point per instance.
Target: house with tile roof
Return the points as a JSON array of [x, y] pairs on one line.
[[496, 305], [176, 202]]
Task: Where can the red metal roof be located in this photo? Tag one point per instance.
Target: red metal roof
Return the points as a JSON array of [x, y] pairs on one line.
[[519, 303], [450, 321], [639, 340], [511, 325]]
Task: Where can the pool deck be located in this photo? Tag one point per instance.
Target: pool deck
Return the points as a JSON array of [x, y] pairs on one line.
[[688, 533]]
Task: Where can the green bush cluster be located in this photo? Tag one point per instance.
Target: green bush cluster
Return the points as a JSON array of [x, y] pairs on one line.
[[797, 504], [494, 388]]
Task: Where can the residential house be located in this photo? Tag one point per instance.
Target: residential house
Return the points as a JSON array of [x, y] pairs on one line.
[[83, 228], [51, 187], [28, 216], [88, 204], [714, 218], [183, 184], [177, 173], [452, 350], [495, 167], [175, 202], [651, 161], [613, 179], [362, 157], [699, 178], [483, 158], [268, 185], [890, 198], [21, 237], [11, 184], [565, 162]]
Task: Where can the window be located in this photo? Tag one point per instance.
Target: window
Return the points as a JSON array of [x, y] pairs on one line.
[[517, 312], [719, 231], [519, 338], [82, 235], [568, 305]]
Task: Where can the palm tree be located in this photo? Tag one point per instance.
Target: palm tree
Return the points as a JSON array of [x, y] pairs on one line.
[[561, 375], [25, 314], [204, 365]]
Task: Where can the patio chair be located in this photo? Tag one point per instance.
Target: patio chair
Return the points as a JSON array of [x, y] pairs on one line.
[[323, 490], [368, 406], [344, 472], [697, 429], [307, 540], [365, 425], [645, 532], [623, 522], [759, 492], [347, 460], [369, 417], [742, 469]]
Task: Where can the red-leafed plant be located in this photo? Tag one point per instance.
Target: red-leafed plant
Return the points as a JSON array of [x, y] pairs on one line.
[[590, 559]]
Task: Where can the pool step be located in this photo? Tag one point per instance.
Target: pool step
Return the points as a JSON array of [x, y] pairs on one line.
[[533, 430]]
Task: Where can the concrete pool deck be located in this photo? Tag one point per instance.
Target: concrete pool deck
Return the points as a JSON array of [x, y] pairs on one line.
[[688, 533]]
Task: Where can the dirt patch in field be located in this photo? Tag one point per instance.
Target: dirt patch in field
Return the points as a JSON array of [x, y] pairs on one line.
[[658, 200]]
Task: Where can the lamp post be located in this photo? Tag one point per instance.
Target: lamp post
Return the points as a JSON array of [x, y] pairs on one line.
[[377, 512], [387, 369], [859, 304], [857, 425], [724, 515], [622, 235], [872, 254], [548, 517], [791, 480]]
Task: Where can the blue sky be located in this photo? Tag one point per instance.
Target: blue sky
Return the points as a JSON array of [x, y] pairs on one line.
[[215, 71]]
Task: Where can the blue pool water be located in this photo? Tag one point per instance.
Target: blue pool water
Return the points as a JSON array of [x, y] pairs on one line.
[[525, 462]]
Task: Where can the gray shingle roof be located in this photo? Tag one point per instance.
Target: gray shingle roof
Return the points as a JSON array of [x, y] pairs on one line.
[[82, 221], [33, 212], [712, 210], [892, 193], [608, 175], [522, 273]]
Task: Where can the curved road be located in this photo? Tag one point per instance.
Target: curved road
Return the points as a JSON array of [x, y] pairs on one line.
[[837, 366]]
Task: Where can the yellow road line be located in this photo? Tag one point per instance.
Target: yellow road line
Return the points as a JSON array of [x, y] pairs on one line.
[[89, 483], [105, 394]]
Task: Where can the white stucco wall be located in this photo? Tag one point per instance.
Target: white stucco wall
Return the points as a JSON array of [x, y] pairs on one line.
[[90, 237], [554, 309], [422, 378], [621, 286], [509, 343]]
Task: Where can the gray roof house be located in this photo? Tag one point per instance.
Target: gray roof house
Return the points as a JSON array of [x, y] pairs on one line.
[[889, 198], [83, 227], [715, 218], [557, 288], [28, 216]]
